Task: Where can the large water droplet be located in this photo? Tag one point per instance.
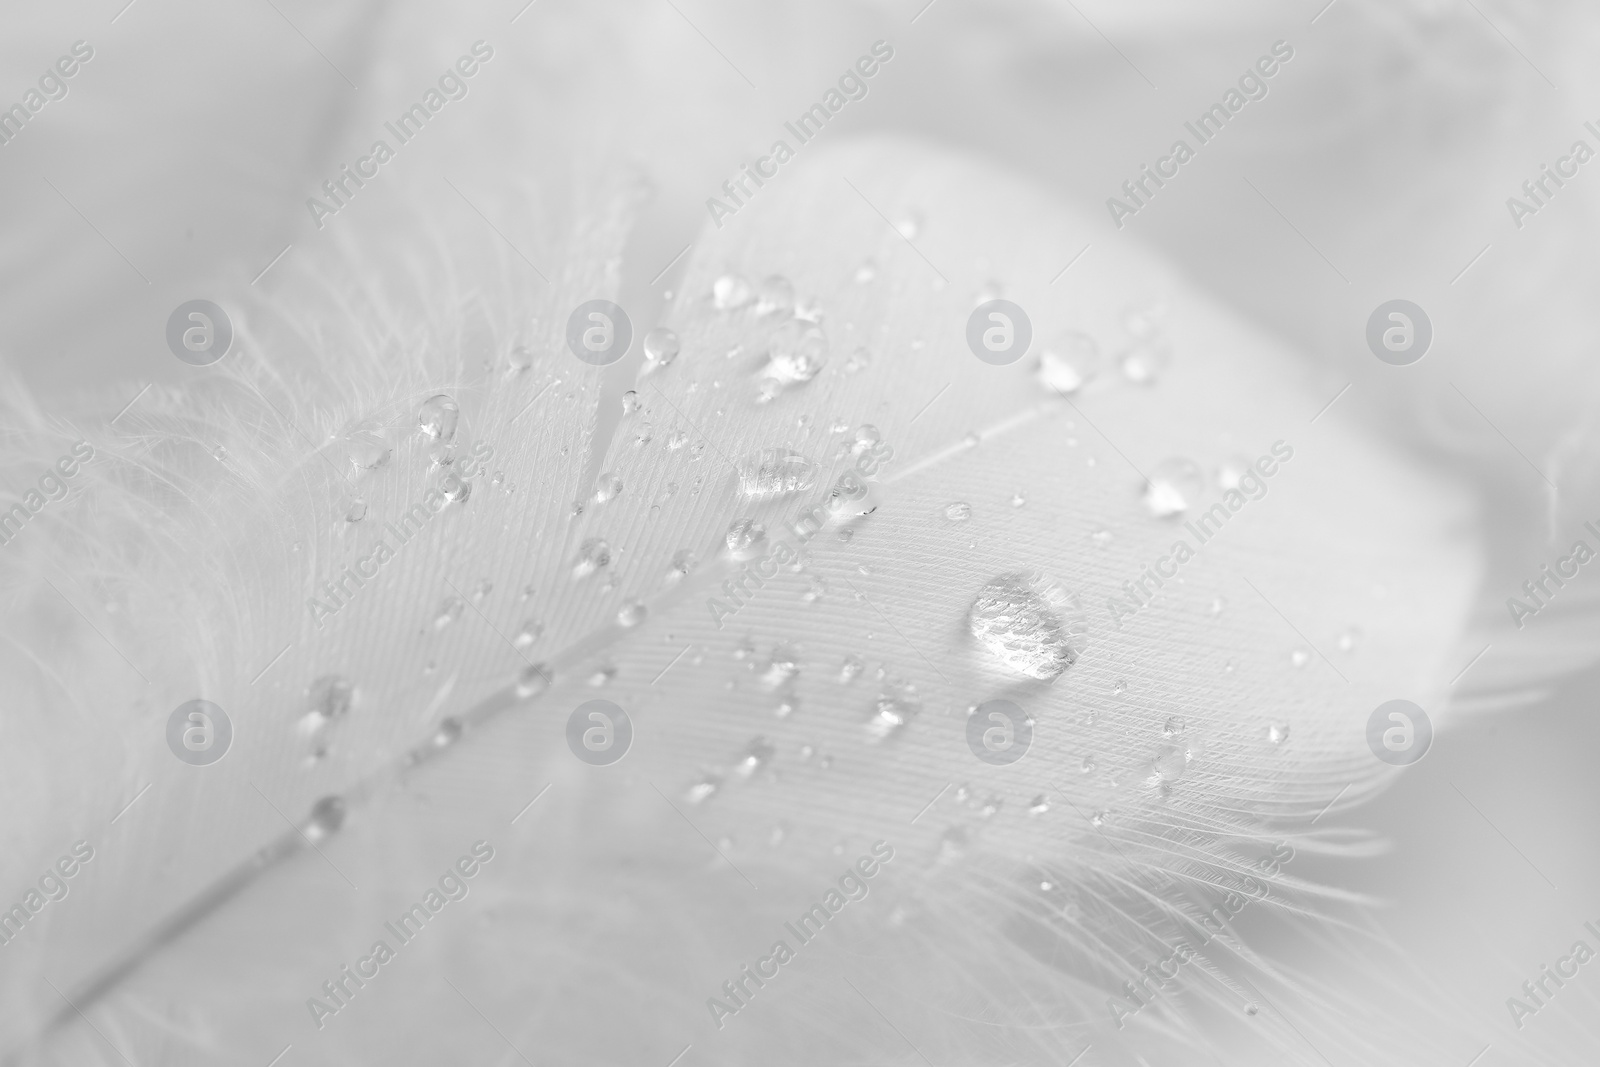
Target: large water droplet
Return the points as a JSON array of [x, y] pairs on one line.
[[437, 417], [661, 346], [1174, 487], [1015, 616], [775, 472], [1170, 762]]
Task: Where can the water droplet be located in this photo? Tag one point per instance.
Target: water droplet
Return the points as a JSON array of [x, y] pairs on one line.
[[1018, 500], [1099, 818], [454, 487], [756, 756], [1170, 762], [1014, 617], [851, 669], [817, 588], [593, 554], [781, 668], [1217, 605], [481, 590], [1251, 1009], [676, 440], [630, 402], [1069, 362], [367, 452], [1088, 765], [775, 472], [1299, 657], [866, 272], [327, 698], [703, 790], [220, 454], [1278, 733], [909, 225], [1101, 537], [786, 708], [631, 614], [952, 846], [683, 561], [1174, 487], [661, 346], [447, 733], [357, 512], [777, 296], [1230, 470], [795, 353], [860, 359], [745, 538], [729, 292], [529, 632], [1348, 639], [890, 713], [327, 816], [1038, 806], [1144, 363], [450, 609], [602, 675], [533, 680], [1173, 727], [437, 417], [958, 512], [606, 488], [1119, 687]]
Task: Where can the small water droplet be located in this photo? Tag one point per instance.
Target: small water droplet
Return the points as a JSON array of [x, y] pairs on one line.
[[745, 538], [631, 614], [777, 296], [519, 359], [676, 440], [1348, 639], [450, 610], [630, 402], [1217, 605], [1069, 362], [593, 554], [1173, 727], [703, 790], [447, 733], [890, 714], [1278, 733], [1299, 657], [481, 590], [533, 680], [1088, 765], [367, 452], [851, 669], [1101, 537], [729, 292], [1230, 471], [909, 225], [437, 417], [1038, 806], [859, 360], [958, 512], [683, 561], [781, 668], [1119, 687], [357, 512], [1174, 487], [1251, 1009], [866, 272], [1099, 818], [602, 675], [786, 708], [527, 634], [1018, 500], [795, 353], [1144, 363], [455, 488], [327, 698], [327, 816], [756, 756], [606, 488]]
